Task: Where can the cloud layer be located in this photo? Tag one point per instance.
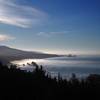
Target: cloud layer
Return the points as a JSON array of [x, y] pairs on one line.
[[49, 34], [20, 15], [4, 37]]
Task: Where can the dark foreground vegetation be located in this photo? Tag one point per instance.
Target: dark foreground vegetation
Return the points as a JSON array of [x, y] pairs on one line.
[[16, 84]]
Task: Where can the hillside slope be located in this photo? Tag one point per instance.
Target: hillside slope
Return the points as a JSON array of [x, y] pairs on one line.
[[8, 54]]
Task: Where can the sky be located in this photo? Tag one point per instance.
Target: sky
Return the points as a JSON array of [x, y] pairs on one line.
[[52, 26]]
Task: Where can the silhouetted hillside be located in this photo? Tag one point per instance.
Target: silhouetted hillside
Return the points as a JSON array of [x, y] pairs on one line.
[[8, 54], [16, 84]]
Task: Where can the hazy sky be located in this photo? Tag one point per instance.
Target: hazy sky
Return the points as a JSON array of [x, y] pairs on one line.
[[55, 26]]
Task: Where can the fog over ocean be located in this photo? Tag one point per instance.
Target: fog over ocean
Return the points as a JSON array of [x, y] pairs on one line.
[[81, 65]]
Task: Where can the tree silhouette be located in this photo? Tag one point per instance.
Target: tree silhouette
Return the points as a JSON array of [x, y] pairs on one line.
[[16, 84]]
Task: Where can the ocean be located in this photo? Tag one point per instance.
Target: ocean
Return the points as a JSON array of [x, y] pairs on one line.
[[82, 66]]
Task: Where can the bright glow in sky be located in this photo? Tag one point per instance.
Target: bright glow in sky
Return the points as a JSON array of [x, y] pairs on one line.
[[54, 26]]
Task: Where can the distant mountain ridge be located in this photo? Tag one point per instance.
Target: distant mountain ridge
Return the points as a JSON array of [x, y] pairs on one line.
[[8, 54]]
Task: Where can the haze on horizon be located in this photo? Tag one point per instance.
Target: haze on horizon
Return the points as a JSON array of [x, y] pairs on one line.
[[52, 26]]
